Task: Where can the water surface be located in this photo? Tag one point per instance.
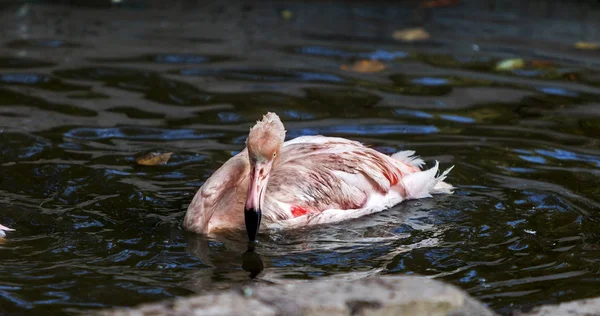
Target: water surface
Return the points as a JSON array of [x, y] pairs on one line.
[[84, 91]]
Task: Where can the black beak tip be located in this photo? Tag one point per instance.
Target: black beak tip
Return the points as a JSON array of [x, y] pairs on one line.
[[252, 218]]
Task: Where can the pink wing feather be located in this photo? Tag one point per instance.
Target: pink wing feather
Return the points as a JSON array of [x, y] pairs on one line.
[[320, 173]]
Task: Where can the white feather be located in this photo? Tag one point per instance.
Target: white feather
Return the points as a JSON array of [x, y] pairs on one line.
[[407, 157], [3, 229], [422, 184], [416, 185]]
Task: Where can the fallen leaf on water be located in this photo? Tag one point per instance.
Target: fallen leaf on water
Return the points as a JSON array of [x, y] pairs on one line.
[[365, 66], [587, 45], [287, 15], [542, 63], [411, 35], [153, 159], [509, 64]]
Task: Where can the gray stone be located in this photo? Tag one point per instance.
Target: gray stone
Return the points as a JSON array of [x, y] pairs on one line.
[[383, 295], [587, 307]]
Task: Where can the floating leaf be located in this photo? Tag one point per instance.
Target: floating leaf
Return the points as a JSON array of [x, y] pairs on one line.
[[587, 45], [510, 64], [411, 35], [287, 15], [542, 63], [153, 159], [365, 66]]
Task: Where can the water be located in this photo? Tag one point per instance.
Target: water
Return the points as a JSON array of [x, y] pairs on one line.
[[84, 91]]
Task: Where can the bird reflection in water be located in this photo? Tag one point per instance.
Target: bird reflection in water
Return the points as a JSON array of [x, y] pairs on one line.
[[251, 261], [229, 259]]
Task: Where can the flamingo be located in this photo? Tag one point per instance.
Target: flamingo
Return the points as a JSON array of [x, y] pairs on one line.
[[3, 229], [305, 181]]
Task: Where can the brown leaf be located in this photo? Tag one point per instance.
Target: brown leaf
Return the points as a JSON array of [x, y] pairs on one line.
[[587, 45], [153, 159], [366, 65], [542, 63], [411, 35]]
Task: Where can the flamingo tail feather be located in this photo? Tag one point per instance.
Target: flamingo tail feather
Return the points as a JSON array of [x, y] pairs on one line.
[[423, 184]]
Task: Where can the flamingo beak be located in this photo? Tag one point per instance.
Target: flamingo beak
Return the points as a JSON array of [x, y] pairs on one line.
[[259, 177]]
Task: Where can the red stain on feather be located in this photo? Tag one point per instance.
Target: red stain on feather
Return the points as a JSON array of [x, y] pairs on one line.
[[298, 211]]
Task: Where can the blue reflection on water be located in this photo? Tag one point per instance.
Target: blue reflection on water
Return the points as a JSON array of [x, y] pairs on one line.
[[473, 59], [180, 59], [385, 55], [32, 150], [197, 72], [568, 155], [380, 129], [52, 43], [414, 113], [330, 52], [535, 159], [24, 78], [457, 118], [298, 115], [88, 224], [558, 91], [430, 81], [229, 117], [522, 151], [316, 76], [517, 246], [323, 51], [516, 222], [137, 133], [110, 172], [15, 299], [520, 170], [261, 75]]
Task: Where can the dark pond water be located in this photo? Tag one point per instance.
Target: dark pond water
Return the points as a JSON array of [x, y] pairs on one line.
[[84, 91]]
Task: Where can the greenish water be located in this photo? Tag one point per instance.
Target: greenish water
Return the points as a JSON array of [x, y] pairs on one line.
[[83, 92]]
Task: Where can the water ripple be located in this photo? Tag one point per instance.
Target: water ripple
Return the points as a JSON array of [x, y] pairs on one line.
[[95, 229], [141, 133]]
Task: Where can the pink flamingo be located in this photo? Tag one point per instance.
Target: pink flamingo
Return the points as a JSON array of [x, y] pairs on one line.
[[3, 229], [305, 181]]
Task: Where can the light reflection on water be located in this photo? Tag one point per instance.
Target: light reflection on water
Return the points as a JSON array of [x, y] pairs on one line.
[[96, 230]]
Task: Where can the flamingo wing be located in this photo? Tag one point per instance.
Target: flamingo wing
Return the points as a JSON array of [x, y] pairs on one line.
[[330, 176]]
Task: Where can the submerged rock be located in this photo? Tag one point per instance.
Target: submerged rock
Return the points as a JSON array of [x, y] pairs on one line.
[[383, 295], [587, 307]]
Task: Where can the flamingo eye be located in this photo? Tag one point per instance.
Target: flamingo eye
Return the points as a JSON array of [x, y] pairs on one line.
[[274, 154]]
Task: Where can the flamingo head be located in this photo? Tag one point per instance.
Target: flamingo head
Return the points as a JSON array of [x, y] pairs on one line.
[[264, 147]]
